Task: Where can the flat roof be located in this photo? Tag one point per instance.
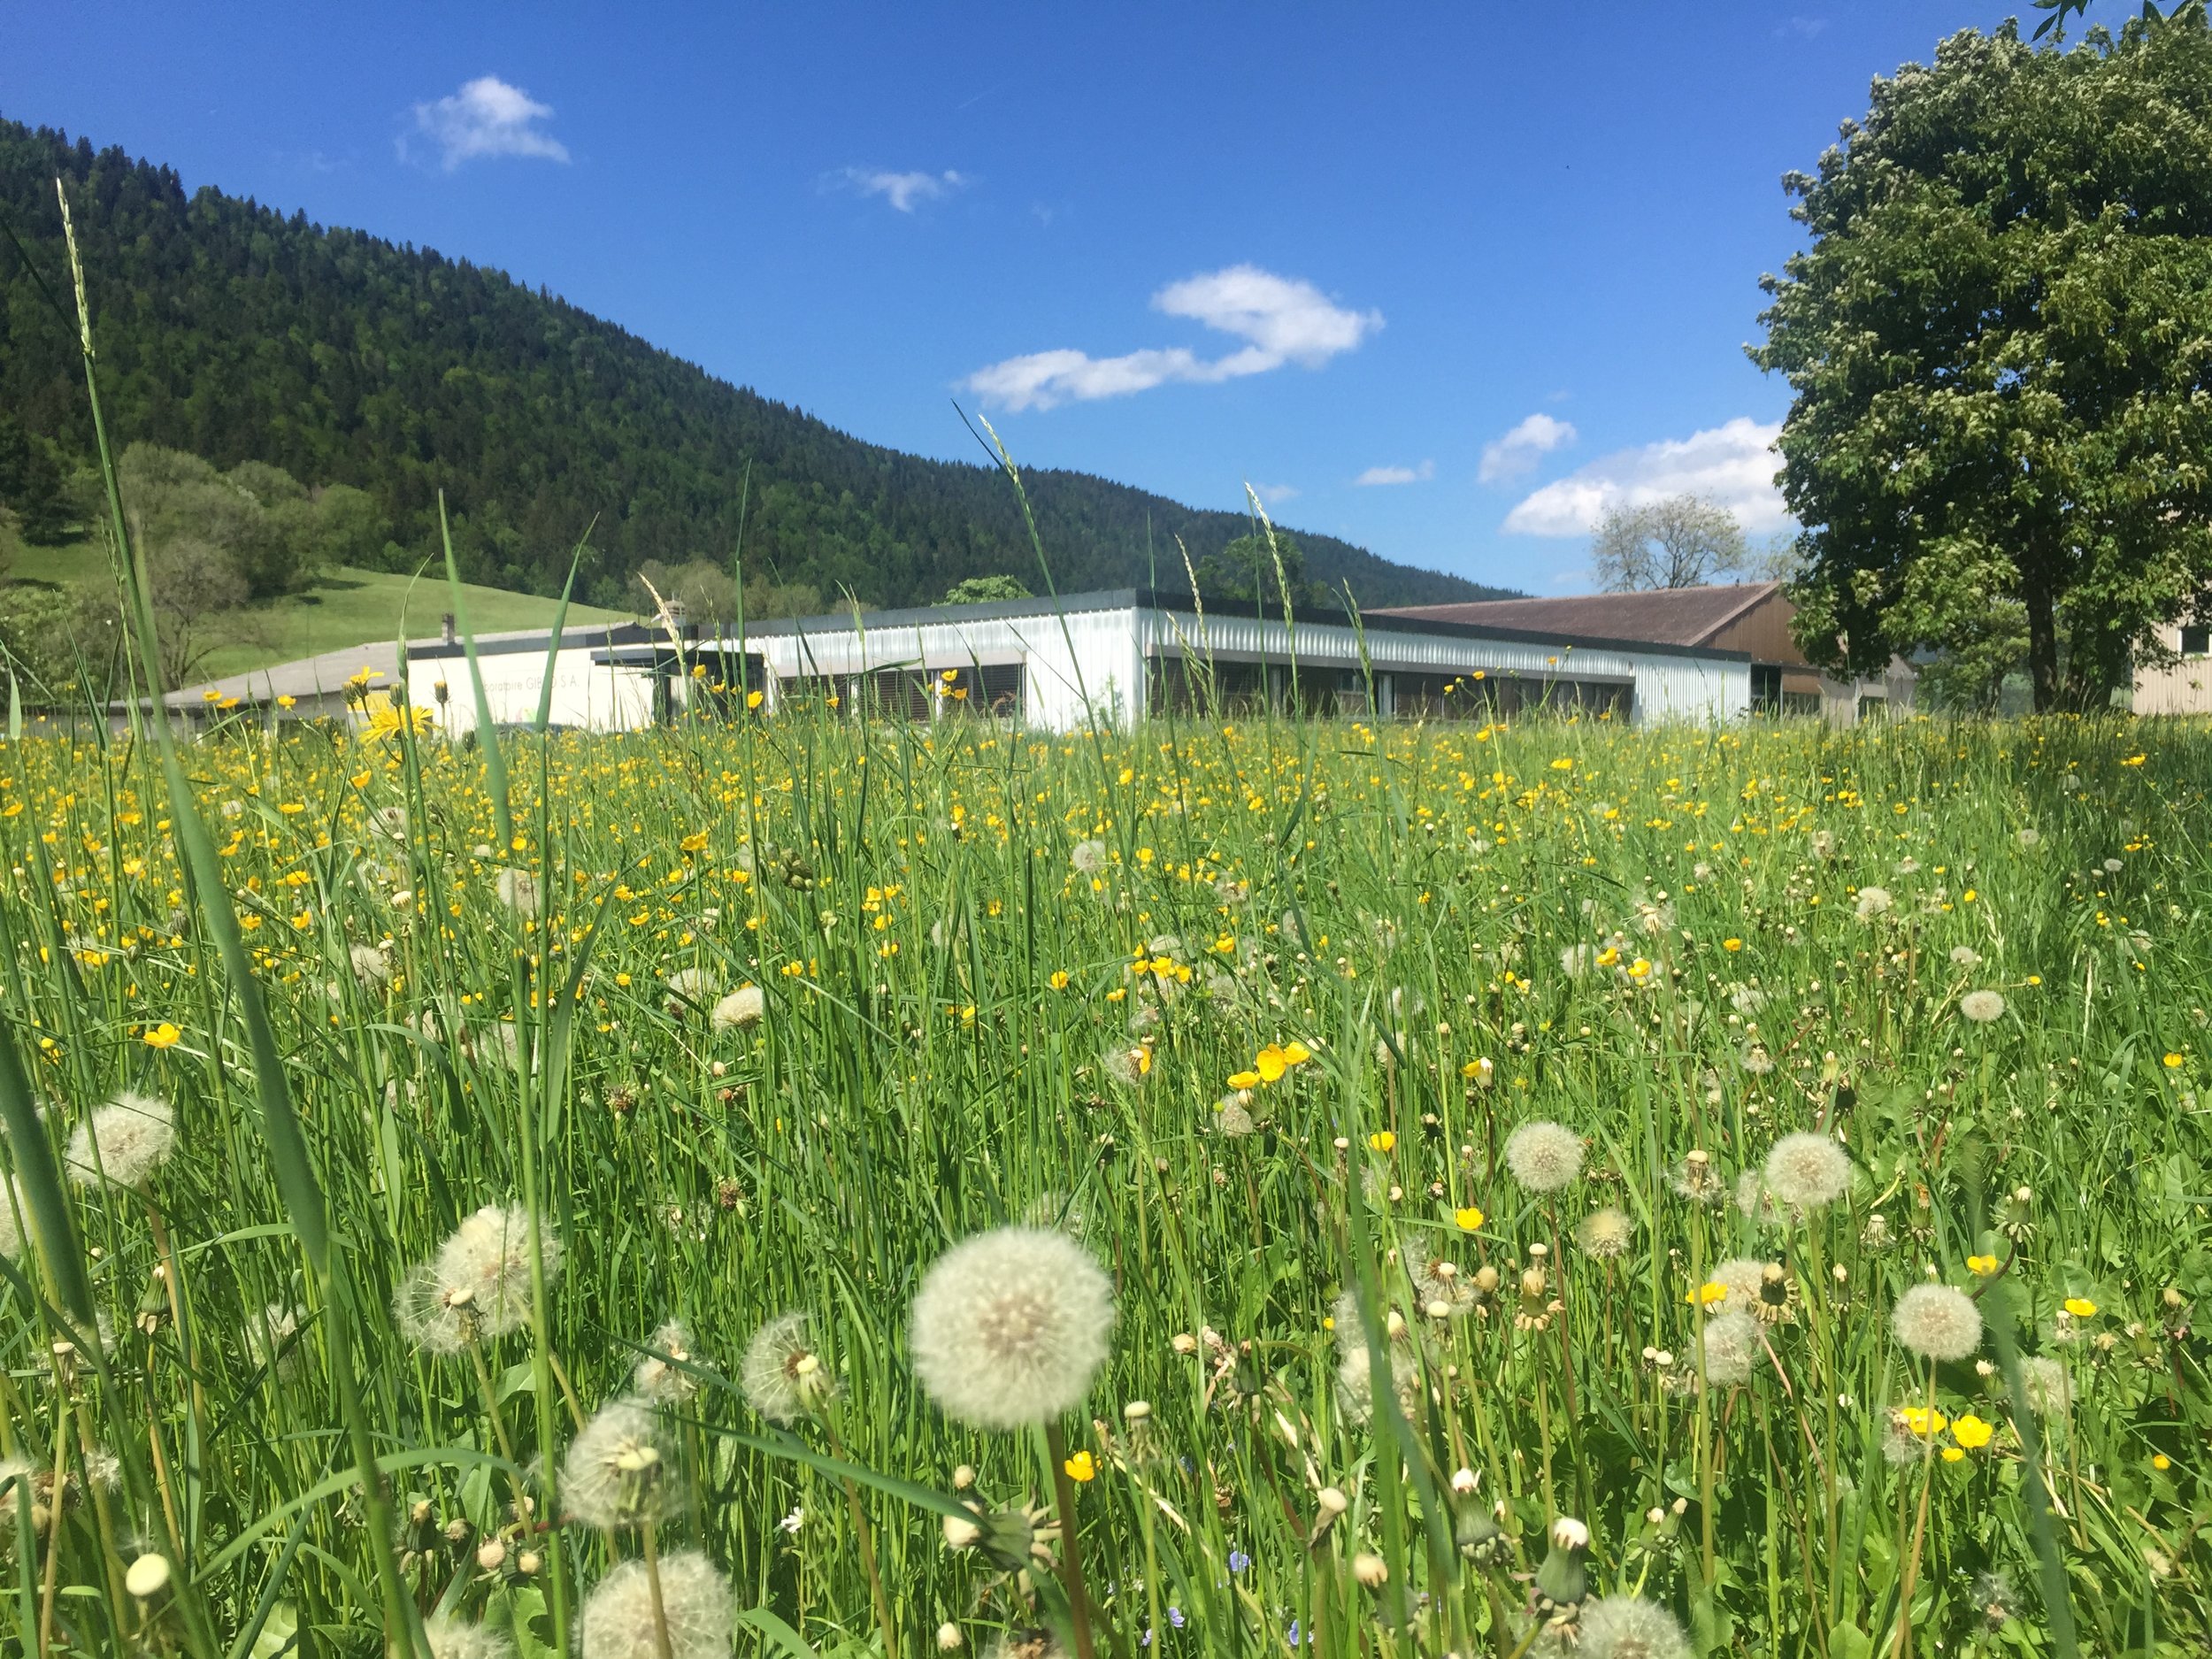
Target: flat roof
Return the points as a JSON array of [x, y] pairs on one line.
[[1182, 604]]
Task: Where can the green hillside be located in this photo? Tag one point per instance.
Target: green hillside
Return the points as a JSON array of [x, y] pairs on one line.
[[232, 332], [345, 607]]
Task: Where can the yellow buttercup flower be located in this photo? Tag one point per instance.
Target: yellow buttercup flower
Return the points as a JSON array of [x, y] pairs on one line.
[[1271, 1064], [1924, 1420], [1382, 1141], [1971, 1433], [1244, 1080], [1981, 1266], [162, 1036], [1468, 1218], [1082, 1466], [2081, 1307]]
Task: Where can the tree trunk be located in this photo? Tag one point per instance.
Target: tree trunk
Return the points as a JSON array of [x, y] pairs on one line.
[[2042, 644]]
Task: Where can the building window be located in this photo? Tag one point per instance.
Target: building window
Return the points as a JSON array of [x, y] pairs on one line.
[[1766, 688], [2196, 640]]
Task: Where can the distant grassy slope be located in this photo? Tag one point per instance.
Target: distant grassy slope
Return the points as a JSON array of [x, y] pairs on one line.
[[350, 607]]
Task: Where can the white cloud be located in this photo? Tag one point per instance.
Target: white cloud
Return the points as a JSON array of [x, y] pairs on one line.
[[902, 190], [1275, 495], [1733, 463], [486, 117], [1282, 319], [1397, 474], [1516, 452]]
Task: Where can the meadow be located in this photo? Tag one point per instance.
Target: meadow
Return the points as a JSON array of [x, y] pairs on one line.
[[1237, 1185]]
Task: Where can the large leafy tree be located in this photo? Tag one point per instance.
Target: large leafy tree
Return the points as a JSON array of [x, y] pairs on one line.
[[2001, 342]]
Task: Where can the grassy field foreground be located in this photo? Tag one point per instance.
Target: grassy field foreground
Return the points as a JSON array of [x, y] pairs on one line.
[[1473, 1191]]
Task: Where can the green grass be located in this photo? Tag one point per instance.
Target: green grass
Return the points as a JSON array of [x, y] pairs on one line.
[[964, 939], [348, 607]]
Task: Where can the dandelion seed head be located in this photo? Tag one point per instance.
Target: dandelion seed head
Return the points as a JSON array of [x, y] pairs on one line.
[[517, 890], [478, 1285], [1965, 957], [1606, 1233], [783, 1376], [14, 1213], [1010, 1327], [125, 1140], [693, 985], [1629, 1627], [1756, 1202], [695, 1599], [661, 1380], [1544, 1156], [1806, 1170], [617, 1474], [2050, 1391], [1088, 857], [1874, 902], [1731, 1349], [452, 1638], [370, 966], [1981, 1007], [1937, 1321], [741, 1009]]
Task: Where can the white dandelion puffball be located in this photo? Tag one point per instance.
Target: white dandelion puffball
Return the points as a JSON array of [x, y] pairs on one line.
[[1731, 1349], [1010, 1327], [13, 1216], [370, 966], [1606, 1233], [125, 1140], [2049, 1390], [783, 1376], [517, 890], [1805, 1170], [1937, 1321], [478, 1285], [741, 1009], [690, 983], [695, 1601], [1981, 1007], [1742, 1277], [665, 1381], [1873, 902], [1544, 1156], [616, 1473], [1629, 1627], [450, 1638], [1088, 858]]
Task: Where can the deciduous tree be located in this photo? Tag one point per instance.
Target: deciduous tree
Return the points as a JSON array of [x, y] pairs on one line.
[[2000, 342]]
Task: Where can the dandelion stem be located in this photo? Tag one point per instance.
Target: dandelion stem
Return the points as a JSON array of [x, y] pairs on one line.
[[1071, 1562]]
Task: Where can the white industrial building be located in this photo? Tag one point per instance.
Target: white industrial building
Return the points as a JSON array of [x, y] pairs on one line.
[[1054, 664]]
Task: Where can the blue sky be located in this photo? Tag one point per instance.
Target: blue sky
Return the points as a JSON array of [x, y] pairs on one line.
[[1441, 279]]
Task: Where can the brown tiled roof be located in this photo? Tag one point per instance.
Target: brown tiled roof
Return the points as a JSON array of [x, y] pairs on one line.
[[1669, 616]]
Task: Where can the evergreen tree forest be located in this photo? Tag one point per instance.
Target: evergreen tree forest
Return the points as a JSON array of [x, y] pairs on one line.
[[234, 333]]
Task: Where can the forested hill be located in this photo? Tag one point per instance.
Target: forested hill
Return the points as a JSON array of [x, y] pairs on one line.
[[225, 329]]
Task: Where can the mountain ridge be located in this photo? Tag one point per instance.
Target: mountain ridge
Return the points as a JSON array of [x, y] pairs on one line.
[[233, 331]]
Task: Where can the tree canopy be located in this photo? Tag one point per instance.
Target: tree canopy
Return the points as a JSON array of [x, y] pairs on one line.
[[2000, 344], [1680, 541], [240, 334]]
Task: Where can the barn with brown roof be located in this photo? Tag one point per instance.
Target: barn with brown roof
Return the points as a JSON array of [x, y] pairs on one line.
[[1750, 616]]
